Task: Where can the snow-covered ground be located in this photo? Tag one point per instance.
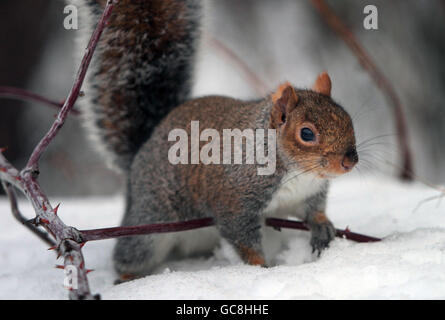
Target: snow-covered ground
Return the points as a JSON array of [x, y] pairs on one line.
[[408, 264]]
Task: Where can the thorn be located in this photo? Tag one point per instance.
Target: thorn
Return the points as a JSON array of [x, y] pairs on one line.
[[56, 209], [83, 244], [347, 229], [33, 221], [18, 178], [44, 221], [58, 255], [44, 207], [71, 258], [82, 264], [89, 270], [3, 149], [59, 266], [52, 248]]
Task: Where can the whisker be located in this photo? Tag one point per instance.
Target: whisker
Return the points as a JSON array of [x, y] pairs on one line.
[[369, 153], [359, 113], [363, 109], [306, 170], [376, 137], [382, 143]]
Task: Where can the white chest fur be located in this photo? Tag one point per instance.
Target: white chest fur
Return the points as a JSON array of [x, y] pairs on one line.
[[295, 188]]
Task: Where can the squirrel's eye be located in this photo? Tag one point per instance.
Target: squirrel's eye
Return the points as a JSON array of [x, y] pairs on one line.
[[307, 135]]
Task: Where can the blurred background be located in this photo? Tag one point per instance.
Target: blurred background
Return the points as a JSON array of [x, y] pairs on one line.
[[280, 40]]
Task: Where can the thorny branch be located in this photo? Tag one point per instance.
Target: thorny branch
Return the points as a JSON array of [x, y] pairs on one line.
[[69, 240], [379, 78], [107, 233]]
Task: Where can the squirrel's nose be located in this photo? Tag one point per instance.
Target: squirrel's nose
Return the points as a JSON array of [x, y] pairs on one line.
[[350, 159]]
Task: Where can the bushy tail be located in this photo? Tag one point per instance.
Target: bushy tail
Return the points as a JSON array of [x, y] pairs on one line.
[[141, 70]]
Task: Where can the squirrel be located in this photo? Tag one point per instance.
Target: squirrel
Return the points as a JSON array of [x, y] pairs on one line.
[[138, 91]]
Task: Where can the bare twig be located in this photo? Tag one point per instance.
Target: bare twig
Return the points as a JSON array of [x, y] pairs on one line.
[[69, 240], [259, 85], [21, 94], [422, 180], [379, 78]]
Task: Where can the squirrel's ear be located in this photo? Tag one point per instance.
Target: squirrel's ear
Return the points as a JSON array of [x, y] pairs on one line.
[[285, 99], [323, 84]]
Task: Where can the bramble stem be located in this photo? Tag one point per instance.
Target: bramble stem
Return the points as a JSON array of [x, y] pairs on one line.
[[281, 223], [68, 239], [379, 78]]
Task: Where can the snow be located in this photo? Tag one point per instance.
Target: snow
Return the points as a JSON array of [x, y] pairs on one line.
[[408, 264]]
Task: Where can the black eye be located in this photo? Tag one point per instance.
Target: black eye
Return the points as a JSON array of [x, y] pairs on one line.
[[307, 134]]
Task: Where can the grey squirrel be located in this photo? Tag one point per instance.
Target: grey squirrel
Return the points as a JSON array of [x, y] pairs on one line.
[[138, 91]]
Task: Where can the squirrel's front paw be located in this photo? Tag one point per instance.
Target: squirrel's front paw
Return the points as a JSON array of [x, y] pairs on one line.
[[322, 234]]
